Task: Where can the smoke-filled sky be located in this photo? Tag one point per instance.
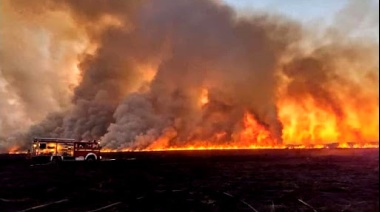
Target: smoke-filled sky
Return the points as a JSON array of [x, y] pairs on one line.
[[162, 73]]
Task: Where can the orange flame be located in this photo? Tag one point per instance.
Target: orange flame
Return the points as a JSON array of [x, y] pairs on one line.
[[256, 136], [255, 133], [306, 123], [204, 97]]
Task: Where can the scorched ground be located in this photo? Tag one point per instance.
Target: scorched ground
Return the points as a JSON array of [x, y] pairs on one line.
[[234, 180]]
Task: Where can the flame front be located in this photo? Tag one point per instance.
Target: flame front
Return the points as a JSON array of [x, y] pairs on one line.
[[254, 133], [305, 126], [308, 124]]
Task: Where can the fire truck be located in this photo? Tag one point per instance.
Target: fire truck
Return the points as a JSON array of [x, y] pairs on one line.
[[64, 149]]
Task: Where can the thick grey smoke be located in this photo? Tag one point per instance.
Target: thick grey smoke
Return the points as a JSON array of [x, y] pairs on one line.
[[146, 63], [234, 59]]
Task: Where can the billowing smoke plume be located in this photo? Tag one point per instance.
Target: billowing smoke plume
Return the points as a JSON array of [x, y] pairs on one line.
[[133, 74], [233, 59]]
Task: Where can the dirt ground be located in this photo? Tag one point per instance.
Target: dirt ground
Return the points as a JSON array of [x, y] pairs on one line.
[[260, 180]]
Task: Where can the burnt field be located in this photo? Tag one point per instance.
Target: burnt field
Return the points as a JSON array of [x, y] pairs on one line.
[[236, 180]]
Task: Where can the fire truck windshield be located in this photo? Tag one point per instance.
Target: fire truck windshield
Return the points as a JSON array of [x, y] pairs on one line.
[[42, 146]]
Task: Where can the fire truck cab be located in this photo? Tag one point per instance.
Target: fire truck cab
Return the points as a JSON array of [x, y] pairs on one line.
[[63, 149]]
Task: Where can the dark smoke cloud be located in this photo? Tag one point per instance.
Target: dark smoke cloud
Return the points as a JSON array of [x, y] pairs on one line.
[[235, 60], [192, 45]]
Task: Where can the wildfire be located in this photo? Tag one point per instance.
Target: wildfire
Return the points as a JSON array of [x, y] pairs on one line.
[[306, 123], [16, 150], [256, 136], [137, 76], [251, 147], [254, 132], [305, 126]]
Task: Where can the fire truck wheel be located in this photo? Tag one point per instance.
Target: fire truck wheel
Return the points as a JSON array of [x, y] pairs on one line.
[[56, 159], [90, 158]]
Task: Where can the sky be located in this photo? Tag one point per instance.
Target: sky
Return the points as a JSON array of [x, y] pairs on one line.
[[304, 10], [315, 11]]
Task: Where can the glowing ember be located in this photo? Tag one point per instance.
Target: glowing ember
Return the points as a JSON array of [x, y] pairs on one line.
[[204, 97]]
